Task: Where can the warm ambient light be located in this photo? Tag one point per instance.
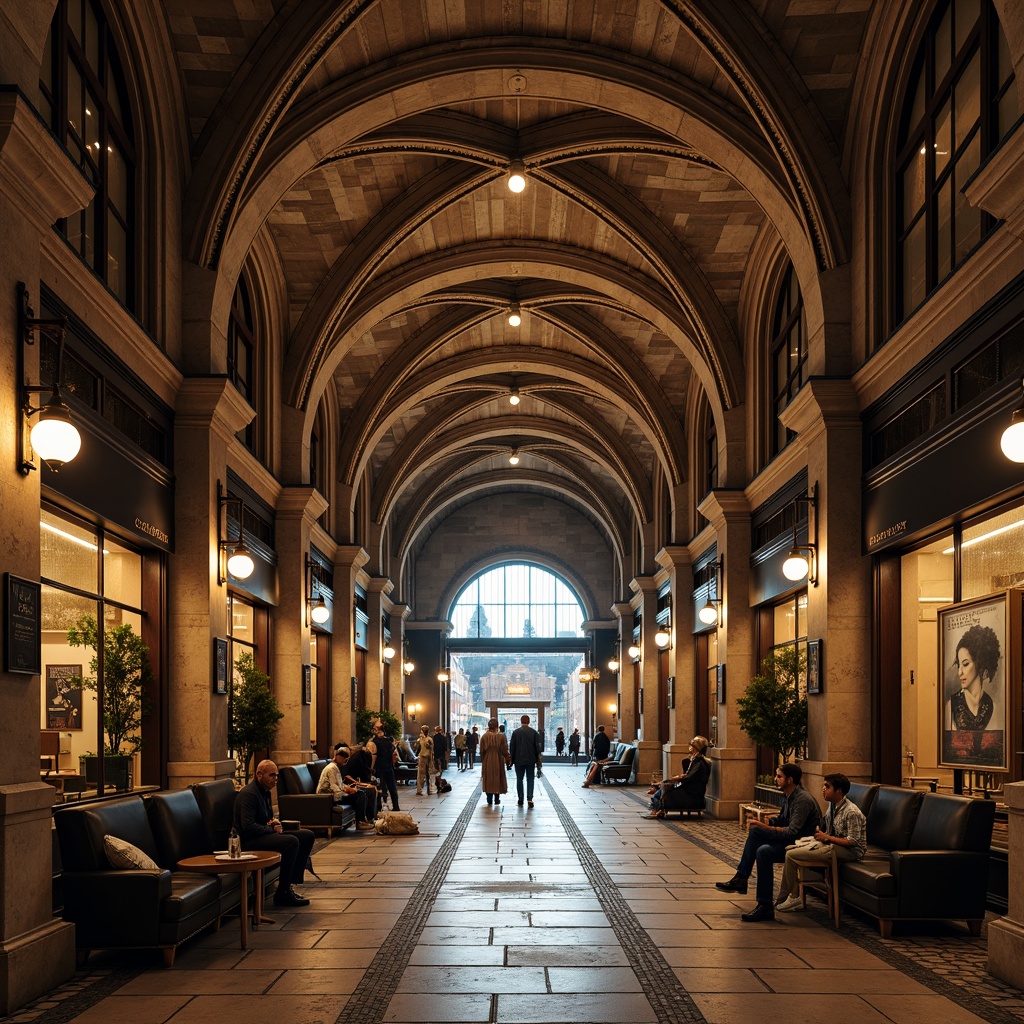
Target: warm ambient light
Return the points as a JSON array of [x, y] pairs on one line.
[[513, 397], [414, 710], [708, 614], [388, 652], [320, 613], [233, 556], [1012, 441], [515, 318], [516, 176], [514, 457], [442, 676], [240, 563], [795, 567], [634, 651], [55, 439], [613, 665], [661, 638]]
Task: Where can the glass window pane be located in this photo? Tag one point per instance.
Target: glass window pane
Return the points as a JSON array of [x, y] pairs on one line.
[[944, 228], [117, 180], [966, 13], [943, 137], [967, 218], [542, 587], [117, 255], [968, 99], [785, 622], [944, 45], [122, 574], [913, 187], [241, 621], [992, 555], [68, 553], [917, 105], [496, 618], [76, 102], [91, 42]]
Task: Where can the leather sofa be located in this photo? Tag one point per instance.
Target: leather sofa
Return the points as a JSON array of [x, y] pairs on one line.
[[298, 800], [405, 770], [114, 908], [620, 768], [927, 857]]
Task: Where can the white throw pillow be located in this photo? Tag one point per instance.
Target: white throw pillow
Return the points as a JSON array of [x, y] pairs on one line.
[[124, 855]]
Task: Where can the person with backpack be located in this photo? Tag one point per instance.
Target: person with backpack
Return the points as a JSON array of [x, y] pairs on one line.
[[574, 747], [560, 741], [424, 747]]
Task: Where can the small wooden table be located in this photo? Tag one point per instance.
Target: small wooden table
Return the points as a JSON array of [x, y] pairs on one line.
[[759, 811], [255, 861]]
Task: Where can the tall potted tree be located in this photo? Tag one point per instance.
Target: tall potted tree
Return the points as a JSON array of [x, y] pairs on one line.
[[126, 676], [254, 713], [772, 712]]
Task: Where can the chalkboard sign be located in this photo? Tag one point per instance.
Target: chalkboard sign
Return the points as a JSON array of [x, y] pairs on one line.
[[22, 635]]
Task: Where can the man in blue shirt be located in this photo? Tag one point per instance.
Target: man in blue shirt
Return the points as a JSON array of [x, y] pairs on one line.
[[766, 843]]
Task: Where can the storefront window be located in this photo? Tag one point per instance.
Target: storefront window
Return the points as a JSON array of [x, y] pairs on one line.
[[90, 603], [992, 555]]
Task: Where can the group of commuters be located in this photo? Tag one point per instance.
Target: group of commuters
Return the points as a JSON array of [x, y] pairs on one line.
[[498, 755]]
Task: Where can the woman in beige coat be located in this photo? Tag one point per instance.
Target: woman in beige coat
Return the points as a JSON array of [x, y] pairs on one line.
[[494, 760]]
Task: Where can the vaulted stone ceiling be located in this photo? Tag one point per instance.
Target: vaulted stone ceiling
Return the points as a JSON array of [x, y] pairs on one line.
[[369, 140]]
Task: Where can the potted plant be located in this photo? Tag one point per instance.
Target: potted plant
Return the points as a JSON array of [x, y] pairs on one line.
[[364, 724], [771, 711], [254, 713], [126, 676]]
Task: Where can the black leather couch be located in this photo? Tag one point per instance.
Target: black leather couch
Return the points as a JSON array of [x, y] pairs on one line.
[[927, 858], [622, 767], [405, 770], [125, 909], [298, 800]]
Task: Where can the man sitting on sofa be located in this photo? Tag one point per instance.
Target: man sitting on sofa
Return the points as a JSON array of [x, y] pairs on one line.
[[331, 781], [766, 844], [259, 830]]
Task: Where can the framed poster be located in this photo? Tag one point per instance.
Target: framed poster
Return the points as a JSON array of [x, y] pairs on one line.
[[972, 690], [671, 692], [307, 684], [220, 665], [23, 650], [63, 698], [720, 684], [814, 668]]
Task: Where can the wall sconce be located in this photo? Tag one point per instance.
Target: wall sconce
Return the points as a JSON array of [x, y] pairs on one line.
[[414, 710], [514, 398], [53, 437], [513, 458], [233, 556], [408, 665], [663, 637], [387, 652], [614, 709], [516, 180], [709, 613], [443, 676], [515, 317], [634, 651], [316, 609], [616, 659], [589, 675], [1012, 441], [798, 565]]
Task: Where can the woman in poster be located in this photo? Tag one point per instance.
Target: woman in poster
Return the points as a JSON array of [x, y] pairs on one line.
[[973, 728]]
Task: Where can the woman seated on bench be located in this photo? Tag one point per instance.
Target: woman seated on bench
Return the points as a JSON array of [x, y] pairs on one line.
[[686, 791]]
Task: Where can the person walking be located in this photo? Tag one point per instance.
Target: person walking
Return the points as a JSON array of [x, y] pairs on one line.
[[460, 750], [494, 760], [574, 747], [424, 759], [472, 739], [524, 753], [560, 741]]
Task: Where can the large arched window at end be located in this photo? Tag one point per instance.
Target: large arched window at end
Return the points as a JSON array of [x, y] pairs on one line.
[[85, 100], [708, 460], [960, 102], [242, 360], [788, 357], [516, 600]]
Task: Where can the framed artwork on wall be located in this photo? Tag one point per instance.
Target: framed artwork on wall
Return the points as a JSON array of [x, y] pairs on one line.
[[720, 684], [63, 697], [671, 692], [220, 665], [814, 667], [974, 685], [307, 684], [23, 651]]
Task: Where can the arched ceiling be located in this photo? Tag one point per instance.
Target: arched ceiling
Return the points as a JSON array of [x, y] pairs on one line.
[[369, 141]]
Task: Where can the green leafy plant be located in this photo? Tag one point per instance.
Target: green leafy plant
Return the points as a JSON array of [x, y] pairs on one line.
[[126, 675], [254, 713], [771, 711], [364, 724]]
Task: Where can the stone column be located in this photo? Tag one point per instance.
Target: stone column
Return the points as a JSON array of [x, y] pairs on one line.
[[1006, 935], [298, 509], [395, 685], [209, 413], [38, 184], [826, 417], [677, 568], [348, 572], [626, 697], [733, 758], [379, 607], [645, 601]]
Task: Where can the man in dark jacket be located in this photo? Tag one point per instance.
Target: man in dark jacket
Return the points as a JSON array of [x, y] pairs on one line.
[[766, 843], [524, 749], [259, 830], [602, 748]]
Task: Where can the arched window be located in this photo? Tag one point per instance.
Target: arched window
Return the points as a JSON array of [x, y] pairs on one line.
[[960, 102], [516, 600], [788, 357], [241, 359], [85, 99], [707, 480]]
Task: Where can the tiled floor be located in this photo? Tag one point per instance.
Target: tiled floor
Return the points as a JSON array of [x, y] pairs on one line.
[[577, 910]]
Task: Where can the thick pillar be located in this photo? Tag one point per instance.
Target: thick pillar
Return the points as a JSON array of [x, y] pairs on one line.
[[645, 601], [826, 417], [626, 699], [209, 413], [298, 509], [348, 573], [733, 757], [677, 569], [38, 184], [1006, 935], [379, 608]]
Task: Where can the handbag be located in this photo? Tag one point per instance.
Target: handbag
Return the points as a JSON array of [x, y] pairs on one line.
[[808, 844], [396, 823]]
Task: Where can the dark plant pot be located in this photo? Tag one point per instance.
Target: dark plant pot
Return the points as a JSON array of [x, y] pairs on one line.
[[116, 771], [767, 795]]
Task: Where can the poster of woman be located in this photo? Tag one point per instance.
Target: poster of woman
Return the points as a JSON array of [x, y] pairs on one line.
[[63, 700], [972, 660]]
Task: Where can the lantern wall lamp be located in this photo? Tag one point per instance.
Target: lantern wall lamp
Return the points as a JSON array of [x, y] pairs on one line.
[[710, 613], [803, 558], [316, 608], [233, 557], [1012, 441]]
